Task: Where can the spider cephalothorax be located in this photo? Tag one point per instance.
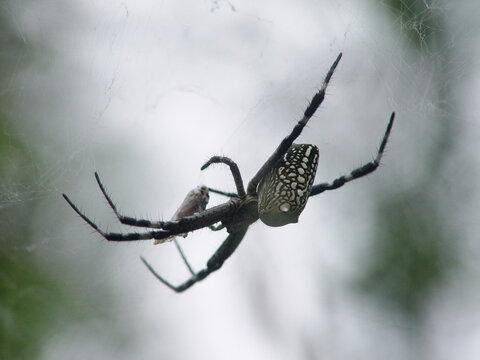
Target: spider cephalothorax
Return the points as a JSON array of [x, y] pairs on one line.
[[277, 194]]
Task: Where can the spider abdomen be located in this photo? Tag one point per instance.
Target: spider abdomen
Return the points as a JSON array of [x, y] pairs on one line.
[[284, 191]]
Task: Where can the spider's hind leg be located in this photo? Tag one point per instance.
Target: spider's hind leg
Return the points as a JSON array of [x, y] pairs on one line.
[[182, 254], [359, 172], [213, 264], [184, 258]]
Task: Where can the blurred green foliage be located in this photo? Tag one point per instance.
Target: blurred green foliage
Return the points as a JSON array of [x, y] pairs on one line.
[[30, 297], [418, 19], [34, 303], [412, 254], [31, 305]]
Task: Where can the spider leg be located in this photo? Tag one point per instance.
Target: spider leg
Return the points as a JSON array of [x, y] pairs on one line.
[[288, 141], [361, 171], [127, 220], [185, 260], [233, 168], [160, 234], [202, 219], [171, 228], [217, 228], [182, 254], [220, 192], [213, 264]]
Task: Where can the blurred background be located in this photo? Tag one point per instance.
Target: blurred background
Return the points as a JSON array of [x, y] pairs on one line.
[[145, 91]]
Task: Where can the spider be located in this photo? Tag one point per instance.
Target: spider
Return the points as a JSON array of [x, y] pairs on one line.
[[276, 195]]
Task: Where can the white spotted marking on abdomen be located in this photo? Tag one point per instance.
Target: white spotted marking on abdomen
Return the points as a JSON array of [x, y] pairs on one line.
[[283, 193]]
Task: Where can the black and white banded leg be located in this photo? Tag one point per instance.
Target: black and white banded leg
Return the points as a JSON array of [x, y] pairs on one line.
[[127, 220], [359, 172], [237, 177], [288, 141], [213, 264]]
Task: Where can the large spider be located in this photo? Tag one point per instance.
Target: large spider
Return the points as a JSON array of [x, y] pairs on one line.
[[277, 194]]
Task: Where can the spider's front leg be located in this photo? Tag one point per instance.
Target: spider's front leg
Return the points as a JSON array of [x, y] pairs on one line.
[[237, 177], [157, 234], [288, 141], [170, 228], [213, 264], [126, 220]]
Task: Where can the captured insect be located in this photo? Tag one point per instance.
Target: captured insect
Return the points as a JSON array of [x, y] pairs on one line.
[[277, 195]]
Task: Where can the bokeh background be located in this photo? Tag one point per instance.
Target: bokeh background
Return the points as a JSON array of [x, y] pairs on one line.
[[145, 91]]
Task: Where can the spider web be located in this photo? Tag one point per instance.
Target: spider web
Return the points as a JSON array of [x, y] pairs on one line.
[[145, 92]]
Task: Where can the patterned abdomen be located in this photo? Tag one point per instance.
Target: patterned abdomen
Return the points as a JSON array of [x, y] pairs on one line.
[[284, 191]]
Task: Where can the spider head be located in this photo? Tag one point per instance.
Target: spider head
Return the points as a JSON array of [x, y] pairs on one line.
[[284, 191]]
